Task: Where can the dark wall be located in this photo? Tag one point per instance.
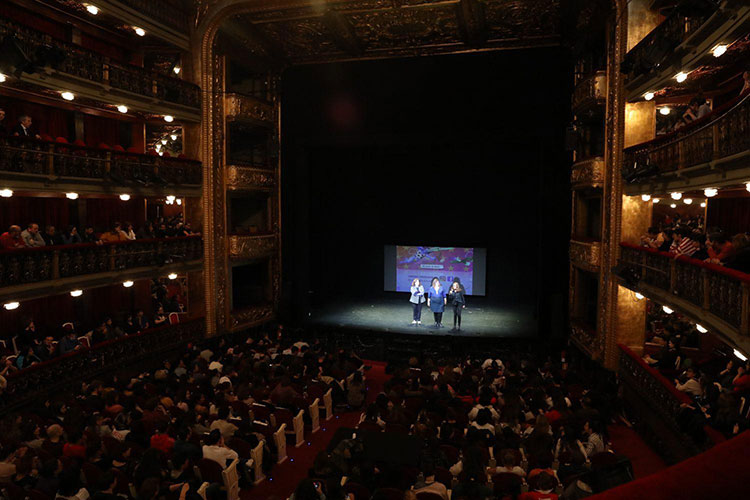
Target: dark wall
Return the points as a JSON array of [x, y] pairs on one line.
[[453, 150]]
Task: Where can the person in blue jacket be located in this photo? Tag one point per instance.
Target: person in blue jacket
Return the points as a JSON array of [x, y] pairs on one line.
[[416, 299], [436, 300]]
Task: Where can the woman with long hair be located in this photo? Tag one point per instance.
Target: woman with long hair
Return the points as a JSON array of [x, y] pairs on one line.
[[416, 299], [436, 300], [458, 299]]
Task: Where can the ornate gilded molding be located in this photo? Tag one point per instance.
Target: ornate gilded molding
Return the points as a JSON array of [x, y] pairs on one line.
[[244, 108], [590, 91], [252, 316], [587, 173], [252, 247], [586, 339], [585, 254], [239, 178]]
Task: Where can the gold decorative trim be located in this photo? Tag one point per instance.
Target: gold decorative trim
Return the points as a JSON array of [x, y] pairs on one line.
[[239, 178], [587, 173], [244, 108], [246, 318], [590, 91], [586, 254], [585, 339], [252, 247]]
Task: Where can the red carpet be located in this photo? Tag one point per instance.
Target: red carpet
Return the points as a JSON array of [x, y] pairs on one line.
[[626, 441], [283, 479]]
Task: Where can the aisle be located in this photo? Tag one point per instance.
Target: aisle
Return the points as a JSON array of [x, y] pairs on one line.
[[626, 441], [282, 480]]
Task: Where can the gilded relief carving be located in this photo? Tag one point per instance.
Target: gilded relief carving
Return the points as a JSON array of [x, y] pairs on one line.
[[251, 247], [587, 173], [238, 107], [585, 254], [591, 90], [239, 178], [251, 316]]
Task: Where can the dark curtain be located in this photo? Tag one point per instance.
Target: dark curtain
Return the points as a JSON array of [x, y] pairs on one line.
[[22, 210], [48, 313], [97, 130], [45, 119], [35, 21], [730, 214], [101, 213], [102, 47]]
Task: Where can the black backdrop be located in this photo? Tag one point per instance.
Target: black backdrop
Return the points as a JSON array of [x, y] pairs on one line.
[[461, 150]]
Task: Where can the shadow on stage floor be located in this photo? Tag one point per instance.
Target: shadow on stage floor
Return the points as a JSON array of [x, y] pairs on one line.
[[395, 315]]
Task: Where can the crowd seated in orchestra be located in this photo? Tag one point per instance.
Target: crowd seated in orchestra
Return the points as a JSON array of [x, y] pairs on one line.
[[32, 236]]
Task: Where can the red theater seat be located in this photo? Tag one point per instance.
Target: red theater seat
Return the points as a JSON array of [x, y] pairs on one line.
[[103, 145], [48, 138], [133, 149], [77, 142], [61, 140], [119, 148]]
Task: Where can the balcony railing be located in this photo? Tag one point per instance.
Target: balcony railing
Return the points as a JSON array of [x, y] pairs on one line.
[[61, 160], [43, 379], [591, 89], [33, 265], [652, 52], [93, 67], [722, 134], [720, 291], [168, 12], [655, 401]]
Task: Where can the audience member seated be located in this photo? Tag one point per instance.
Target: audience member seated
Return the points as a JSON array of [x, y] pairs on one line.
[[12, 238], [23, 128], [31, 236], [52, 237]]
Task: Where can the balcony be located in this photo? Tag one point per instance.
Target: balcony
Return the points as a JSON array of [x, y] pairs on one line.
[[36, 272], [590, 92], [655, 403], [682, 42], [585, 254], [249, 178], [715, 296], [252, 247], [137, 351], [166, 19], [588, 173], [240, 107], [95, 77], [60, 167], [714, 151]]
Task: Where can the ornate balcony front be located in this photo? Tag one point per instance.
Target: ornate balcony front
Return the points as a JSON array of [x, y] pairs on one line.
[[245, 108], [252, 247], [715, 296], [588, 173], [714, 151], [52, 166], [590, 92], [97, 78], [585, 254], [251, 316], [35, 272], [683, 40], [249, 178]]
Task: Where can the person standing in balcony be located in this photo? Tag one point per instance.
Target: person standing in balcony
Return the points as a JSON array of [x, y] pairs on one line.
[[416, 299], [31, 236], [12, 238], [23, 128], [436, 301]]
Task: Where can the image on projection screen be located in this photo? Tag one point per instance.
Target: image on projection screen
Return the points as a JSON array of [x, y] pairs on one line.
[[425, 263]]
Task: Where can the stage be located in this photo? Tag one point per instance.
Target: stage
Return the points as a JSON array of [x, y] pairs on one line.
[[394, 315]]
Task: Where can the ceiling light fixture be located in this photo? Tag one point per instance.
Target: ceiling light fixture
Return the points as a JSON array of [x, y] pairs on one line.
[[127, 284], [122, 108], [124, 197], [676, 195], [710, 192], [6, 193], [645, 197], [168, 118], [719, 50], [681, 77], [703, 205], [71, 196], [740, 355], [700, 328], [3, 78], [9, 306], [164, 141], [68, 96], [687, 201], [76, 293], [177, 70], [747, 186], [91, 9], [673, 205], [665, 110], [178, 201], [648, 96], [139, 31], [655, 200], [172, 276], [639, 296], [667, 310], [173, 137]]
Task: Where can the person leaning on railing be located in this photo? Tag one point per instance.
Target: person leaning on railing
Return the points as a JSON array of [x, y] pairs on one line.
[[12, 238], [114, 235], [31, 236]]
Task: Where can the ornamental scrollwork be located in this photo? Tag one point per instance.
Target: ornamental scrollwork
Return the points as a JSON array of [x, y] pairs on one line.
[[585, 254], [588, 173], [248, 178], [251, 247], [247, 108]]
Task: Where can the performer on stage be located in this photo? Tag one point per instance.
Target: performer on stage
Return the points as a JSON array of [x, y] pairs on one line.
[[436, 300], [417, 299], [458, 299]]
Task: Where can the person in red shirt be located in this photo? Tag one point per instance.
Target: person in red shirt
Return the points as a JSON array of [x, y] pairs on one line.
[[162, 441], [75, 447], [741, 382], [12, 238], [543, 488], [719, 248]]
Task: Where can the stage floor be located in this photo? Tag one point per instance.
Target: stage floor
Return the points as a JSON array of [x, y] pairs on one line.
[[395, 315]]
